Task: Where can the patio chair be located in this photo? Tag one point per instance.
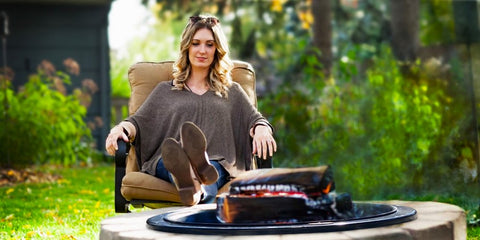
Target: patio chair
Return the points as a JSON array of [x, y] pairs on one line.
[[139, 189]]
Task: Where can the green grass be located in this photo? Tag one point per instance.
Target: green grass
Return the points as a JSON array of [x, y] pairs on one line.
[[73, 206], [69, 208], [473, 233]]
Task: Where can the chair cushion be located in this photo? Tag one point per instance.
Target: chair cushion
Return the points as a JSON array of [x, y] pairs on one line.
[[139, 185], [144, 76]]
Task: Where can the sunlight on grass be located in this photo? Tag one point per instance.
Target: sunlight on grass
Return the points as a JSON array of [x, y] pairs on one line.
[[70, 208]]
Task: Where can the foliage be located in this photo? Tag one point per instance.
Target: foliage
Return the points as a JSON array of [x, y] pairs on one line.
[[289, 108], [437, 23], [361, 29], [398, 126], [42, 123], [118, 77], [70, 207]]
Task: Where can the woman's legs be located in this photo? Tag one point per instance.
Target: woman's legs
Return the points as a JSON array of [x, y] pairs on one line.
[[209, 191], [176, 161], [195, 145], [162, 172], [186, 164]]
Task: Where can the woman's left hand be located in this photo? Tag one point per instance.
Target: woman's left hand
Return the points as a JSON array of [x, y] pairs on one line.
[[263, 142]]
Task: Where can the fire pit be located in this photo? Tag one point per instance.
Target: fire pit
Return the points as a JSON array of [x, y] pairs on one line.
[[204, 221], [434, 220], [289, 204]]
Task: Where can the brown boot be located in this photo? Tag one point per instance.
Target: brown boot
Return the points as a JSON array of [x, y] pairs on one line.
[[176, 162], [195, 145]]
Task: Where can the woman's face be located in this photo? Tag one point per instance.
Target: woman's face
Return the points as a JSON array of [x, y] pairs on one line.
[[202, 50]]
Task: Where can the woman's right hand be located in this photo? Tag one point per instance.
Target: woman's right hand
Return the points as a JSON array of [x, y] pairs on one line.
[[111, 142]]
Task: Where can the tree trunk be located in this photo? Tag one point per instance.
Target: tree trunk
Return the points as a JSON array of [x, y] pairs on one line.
[[405, 28], [322, 32]]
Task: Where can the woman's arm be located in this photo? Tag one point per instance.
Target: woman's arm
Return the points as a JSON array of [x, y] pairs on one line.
[[263, 141], [124, 130]]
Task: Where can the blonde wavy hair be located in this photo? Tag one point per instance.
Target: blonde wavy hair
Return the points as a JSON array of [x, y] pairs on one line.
[[219, 77]]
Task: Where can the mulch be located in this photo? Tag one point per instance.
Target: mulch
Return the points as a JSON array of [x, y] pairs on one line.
[[10, 177]]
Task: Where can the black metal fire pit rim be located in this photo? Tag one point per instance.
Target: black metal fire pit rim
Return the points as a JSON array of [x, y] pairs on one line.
[[203, 221], [177, 218]]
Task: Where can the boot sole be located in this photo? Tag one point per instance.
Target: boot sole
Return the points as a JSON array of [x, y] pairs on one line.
[[177, 163], [194, 143]]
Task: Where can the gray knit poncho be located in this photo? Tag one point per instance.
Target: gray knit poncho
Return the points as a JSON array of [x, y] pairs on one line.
[[225, 122]]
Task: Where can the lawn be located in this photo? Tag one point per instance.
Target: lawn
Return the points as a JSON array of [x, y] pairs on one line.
[[70, 207], [74, 203]]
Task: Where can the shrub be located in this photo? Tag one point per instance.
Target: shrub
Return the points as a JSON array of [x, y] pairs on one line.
[[387, 133], [42, 123]]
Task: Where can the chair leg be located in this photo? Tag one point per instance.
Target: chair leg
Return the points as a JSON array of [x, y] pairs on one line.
[[121, 204], [138, 203]]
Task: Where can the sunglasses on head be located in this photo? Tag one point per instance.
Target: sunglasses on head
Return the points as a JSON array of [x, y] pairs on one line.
[[208, 20]]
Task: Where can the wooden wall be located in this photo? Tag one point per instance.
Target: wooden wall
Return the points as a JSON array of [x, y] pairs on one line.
[[56, 31]]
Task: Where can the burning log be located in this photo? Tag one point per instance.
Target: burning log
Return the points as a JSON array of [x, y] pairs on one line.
[[283, 195]]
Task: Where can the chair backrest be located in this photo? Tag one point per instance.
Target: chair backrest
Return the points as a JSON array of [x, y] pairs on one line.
[[144, 76]]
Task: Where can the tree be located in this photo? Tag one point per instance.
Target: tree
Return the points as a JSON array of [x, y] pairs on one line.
[[405, 28], [322, 32]]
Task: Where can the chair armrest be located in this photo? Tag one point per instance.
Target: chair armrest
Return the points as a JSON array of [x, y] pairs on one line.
[[264, 163], [260, 162], [121, 204], [122, 153]]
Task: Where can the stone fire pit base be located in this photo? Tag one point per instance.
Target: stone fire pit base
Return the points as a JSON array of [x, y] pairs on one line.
[[434, 221]]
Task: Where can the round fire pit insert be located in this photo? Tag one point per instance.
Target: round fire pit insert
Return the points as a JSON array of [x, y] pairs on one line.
[[204, 221]]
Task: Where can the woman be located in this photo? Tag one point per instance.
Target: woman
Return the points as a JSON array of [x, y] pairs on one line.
[[206, 111]]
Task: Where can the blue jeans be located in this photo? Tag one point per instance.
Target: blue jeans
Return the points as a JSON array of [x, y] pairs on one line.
[[210, 191]]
